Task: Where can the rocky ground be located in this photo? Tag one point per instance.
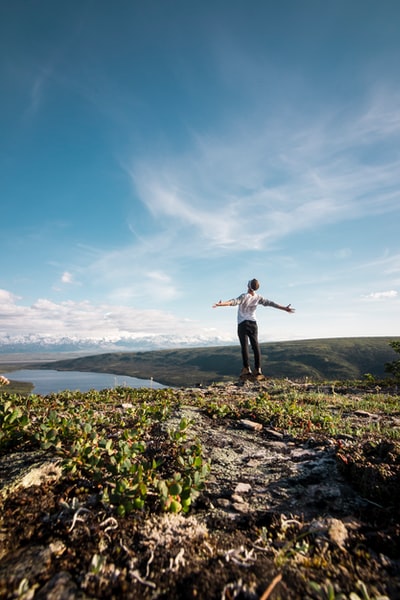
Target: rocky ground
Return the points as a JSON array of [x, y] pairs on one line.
[[309, 517]]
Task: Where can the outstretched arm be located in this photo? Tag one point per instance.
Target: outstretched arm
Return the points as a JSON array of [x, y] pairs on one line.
[[287, 308], [220, 303]]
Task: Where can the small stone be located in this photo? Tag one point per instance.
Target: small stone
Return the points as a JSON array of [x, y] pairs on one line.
[[57, 547], [223, 502], [276, 434], [237, 498], [247, 424], [242, 488], [332, 528], [241, 507], [337, 532]]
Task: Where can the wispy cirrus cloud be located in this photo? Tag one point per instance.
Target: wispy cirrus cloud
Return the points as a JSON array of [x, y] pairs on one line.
[[249, 190], [249, 187], [143, 269], [388, 264], [38, 89]]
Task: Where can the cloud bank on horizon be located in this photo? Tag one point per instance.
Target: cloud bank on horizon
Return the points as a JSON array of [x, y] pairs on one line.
[[156, 159]]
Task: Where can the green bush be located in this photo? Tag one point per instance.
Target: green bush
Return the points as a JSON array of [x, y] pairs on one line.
[[394, 366]]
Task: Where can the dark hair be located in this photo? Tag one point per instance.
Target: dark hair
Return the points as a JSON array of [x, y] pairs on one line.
[[253, 284]]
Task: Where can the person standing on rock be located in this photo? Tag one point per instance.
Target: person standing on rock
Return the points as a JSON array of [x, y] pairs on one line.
[[247, 325]]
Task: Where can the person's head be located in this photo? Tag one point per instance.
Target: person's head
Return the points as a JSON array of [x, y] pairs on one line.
[[253, 285]]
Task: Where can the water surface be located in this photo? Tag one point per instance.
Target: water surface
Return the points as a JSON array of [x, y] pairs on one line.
[[48, 381]]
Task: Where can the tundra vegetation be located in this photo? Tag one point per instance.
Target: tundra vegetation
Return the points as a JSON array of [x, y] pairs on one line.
[[132, 500]]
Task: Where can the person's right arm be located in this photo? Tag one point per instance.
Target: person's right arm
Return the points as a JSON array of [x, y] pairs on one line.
[[225, 303], [232, 302]]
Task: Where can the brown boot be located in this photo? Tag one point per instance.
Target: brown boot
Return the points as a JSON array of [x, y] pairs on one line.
[[245, 372]]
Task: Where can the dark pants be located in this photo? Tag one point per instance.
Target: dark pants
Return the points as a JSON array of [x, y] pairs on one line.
[[248, 331]]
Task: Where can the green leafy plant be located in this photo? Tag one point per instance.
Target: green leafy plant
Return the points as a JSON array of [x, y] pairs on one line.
[[394, 366], [13, 423], [176, 493], [103, 437]]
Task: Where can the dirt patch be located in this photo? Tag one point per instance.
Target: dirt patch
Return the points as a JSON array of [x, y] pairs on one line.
[[281, 517]]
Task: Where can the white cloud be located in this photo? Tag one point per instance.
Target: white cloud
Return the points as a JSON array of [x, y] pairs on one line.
[[86, 320], [7, 299], [388, 295], [67, 277]]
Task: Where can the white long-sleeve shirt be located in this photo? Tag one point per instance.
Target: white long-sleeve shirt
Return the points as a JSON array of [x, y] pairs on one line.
[[247, 304]]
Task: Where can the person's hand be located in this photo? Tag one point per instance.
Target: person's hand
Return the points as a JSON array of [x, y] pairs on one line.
[[290, 309], [217, 304]]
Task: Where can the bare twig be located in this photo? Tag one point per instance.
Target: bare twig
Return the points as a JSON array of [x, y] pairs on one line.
[[149, 563], [111, 524], [176, 562], [271, 587], [140, 579], [240, 556], [207, 545], [77, 518]]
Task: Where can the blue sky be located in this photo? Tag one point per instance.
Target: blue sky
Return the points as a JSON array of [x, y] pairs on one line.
[[156, 155]]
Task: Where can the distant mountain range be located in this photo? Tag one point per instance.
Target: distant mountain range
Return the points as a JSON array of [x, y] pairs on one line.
[[39, 344]]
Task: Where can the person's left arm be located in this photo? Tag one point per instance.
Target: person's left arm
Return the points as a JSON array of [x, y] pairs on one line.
[[266, 302]]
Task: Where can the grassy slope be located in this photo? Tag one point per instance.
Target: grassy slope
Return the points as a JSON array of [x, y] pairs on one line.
[[323, 359]]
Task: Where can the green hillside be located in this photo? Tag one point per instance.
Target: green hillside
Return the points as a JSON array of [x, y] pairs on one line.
[[322, 359]]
